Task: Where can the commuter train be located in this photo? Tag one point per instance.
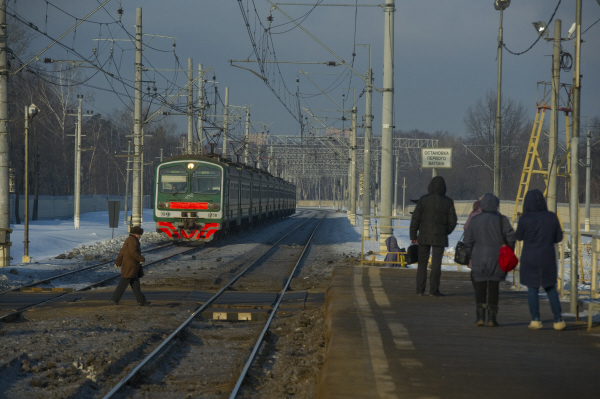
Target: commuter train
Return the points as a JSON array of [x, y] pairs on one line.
[[197, 197]]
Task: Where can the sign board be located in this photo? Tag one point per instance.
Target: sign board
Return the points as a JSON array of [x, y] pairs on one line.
[[436, 158], [114, 208]]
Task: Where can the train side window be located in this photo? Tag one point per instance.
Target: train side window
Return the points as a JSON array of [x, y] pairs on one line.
[[206, 181], [173, 179]]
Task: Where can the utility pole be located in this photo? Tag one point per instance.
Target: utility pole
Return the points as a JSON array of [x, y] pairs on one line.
[[366, 211], [190, 107], [77, 163], [77, 193], [575, 163], [4, 147], [395, 211], [352, 182], [136, 208], [247, 137], [588, 176], [200, 110], [553, 136], [226, 122], [127, 169], [404, 197], [387, 120], [499, 5]]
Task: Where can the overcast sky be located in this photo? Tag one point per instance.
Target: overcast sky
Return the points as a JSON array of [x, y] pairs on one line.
[[445, 53]]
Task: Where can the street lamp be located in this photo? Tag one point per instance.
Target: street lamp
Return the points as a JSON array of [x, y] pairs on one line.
[[499, 5], [30, 112], [541, 28]]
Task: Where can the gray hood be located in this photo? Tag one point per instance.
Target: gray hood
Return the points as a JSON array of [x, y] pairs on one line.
[[490, 203]]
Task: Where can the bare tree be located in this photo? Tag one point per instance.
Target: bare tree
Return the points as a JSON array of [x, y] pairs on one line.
[[480, 122]]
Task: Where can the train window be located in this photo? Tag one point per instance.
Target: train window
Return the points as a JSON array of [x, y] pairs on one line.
[[173, 179], [206, 181]]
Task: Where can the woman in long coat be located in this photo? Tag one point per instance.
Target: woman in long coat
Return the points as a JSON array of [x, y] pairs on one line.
[[539, 229], [484, 237]]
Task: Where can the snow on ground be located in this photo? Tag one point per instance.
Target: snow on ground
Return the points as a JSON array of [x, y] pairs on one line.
[[49, 238]]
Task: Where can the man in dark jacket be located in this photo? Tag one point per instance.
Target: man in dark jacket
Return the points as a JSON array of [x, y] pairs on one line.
[[433, 219], [129, 259]]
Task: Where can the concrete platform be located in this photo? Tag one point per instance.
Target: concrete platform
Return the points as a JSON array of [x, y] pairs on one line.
[[384, 341]]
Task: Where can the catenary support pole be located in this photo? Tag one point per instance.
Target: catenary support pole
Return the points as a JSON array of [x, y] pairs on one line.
[[366, 211], [574, 203], [4, 147], [498, 130], [387, 121], [226, 122], [352, 181], [200, 111], [136, 206], [142, 176], [77, 172], [190, 107], [404, 197], [588, 177], [247, 136], [553, 135], [26, 258], [127, 169], [395, 211]]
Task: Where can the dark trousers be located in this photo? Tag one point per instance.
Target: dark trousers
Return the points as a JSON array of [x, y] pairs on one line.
[[135, 286], [487, 292], [436, 268]]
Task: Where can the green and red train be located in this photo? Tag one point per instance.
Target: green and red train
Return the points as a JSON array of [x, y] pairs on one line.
[[198, 197]]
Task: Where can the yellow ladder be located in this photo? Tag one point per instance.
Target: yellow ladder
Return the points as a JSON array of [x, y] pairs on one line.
[[532, 159]]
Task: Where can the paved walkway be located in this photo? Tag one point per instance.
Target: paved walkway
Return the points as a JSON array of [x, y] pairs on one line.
[[383, 341]]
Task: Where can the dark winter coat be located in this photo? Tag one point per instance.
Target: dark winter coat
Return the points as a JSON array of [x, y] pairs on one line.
[[392, 247], [483, 240], [539, 229], [130, 258], [434, 216], [476, 211]]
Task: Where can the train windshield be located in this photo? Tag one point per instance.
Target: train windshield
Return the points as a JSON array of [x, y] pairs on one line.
[[206, 181], [173, 179]]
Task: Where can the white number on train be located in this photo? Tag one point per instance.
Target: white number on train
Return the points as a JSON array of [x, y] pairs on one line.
[[165, 214], [212, 215]]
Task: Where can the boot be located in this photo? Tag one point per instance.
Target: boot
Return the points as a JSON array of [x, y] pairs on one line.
[[480, 315], [492, 311]]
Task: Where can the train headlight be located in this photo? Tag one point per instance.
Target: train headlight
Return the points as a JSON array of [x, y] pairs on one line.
[[214, 206], [164, 204], [190, 166]]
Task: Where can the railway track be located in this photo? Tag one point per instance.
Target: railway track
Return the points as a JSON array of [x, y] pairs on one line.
[[170, 341], [31, 301]]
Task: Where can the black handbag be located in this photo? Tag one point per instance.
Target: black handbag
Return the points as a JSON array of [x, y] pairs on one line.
[[460, 252], [412, 254]]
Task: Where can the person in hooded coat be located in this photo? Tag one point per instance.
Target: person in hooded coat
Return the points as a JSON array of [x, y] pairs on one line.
[[433, 219], [483, 239], [476, 211], [392, 247], [540, 230], [130, 259]]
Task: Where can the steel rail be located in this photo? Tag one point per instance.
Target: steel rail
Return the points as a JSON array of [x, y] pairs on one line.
[[93, 285], [194, 314], [270, 319], [76, 271]]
